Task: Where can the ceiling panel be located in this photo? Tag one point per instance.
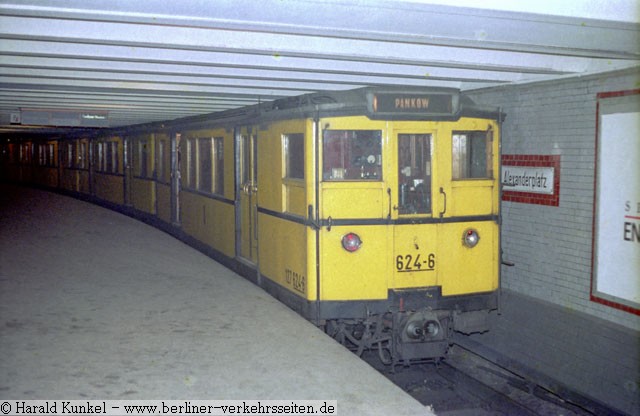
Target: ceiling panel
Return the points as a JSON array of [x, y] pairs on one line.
[[157, 60]]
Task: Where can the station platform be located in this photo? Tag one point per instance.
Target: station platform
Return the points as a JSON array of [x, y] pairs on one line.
[[589, 361], [96, 305]]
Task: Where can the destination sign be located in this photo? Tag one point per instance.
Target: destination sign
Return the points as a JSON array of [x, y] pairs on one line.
[[412, 103]]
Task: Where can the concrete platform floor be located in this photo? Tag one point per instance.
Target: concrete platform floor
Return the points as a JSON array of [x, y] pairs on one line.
[[592, 362], [95, 305]]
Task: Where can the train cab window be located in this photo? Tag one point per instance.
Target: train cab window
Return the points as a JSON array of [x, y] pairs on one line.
[[472, 155], [352, 155], [414, 173], [293, 146]]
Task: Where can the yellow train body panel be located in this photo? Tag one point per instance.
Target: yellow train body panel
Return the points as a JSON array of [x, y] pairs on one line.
[[283, 256], [415, 256], [468, 270], [339, 200], [143, 195], [354, 276], [163, 195], [109, 188], [286, 246]]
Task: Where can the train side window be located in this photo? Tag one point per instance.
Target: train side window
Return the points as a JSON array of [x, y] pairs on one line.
[[246, 159], [160, 160], [100, 156], [12, 153], [192, 163], [293, 146], [111, 157], [53, 160], [143, 154], [414, 173], [82, 156], [218, 165], [205, 165], [472, 155], [352, 155], [68, 155], [42, 157], [115, 159], [25, 153], [107, 157]]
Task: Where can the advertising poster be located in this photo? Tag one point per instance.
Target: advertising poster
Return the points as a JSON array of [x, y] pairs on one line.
[[616, 238]]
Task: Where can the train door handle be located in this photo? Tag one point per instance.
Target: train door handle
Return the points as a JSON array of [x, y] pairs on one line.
[[248, 188], [445, 202]]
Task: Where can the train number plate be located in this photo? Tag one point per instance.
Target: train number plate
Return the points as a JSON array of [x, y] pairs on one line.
[[415, 263], [296, 280]]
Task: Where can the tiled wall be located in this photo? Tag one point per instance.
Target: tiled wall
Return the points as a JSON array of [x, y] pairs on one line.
[[550, 245]]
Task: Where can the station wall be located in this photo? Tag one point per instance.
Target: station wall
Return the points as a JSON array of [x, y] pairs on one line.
[[550, 245]]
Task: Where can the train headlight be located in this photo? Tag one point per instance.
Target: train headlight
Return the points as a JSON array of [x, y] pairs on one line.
[[351, 242], [470, 238]]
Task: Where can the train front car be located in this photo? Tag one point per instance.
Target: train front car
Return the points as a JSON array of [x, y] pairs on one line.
[[408, 215]]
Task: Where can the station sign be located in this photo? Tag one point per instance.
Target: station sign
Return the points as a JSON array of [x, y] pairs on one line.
[[64, 118], [531, 179], [537, 180]]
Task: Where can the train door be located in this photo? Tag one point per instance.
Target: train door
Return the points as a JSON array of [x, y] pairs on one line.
[[162, 176], [354, 208], [415, 234], [468, 207], [247, 196]]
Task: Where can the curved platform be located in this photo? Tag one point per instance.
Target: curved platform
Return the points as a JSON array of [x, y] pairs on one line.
[[95, 305]]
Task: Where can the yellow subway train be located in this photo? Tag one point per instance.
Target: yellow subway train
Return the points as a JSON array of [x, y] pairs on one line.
[[374, 213]]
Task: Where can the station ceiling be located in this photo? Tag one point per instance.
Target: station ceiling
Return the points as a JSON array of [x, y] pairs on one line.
[[150, 60]]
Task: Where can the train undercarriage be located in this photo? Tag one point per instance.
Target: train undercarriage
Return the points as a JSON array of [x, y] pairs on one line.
[[404, 338]]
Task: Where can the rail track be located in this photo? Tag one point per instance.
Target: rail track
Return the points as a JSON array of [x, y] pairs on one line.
[[467, 384]]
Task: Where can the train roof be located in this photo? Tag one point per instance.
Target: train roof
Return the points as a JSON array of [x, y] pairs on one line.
[[388, 103]]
